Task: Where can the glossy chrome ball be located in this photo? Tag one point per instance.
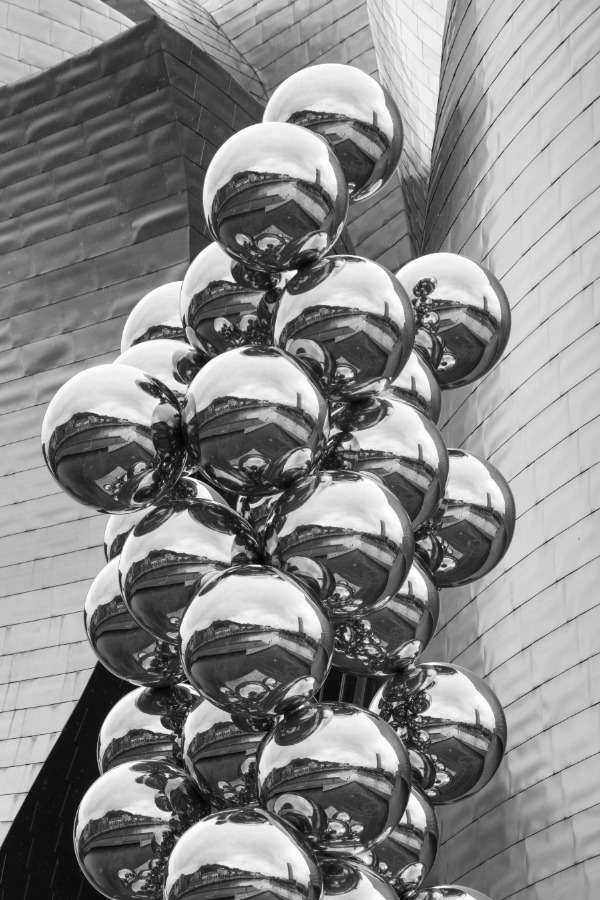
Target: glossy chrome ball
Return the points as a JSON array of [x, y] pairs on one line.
[[111, 437], [417, 384], [155, 316], [463, 315], [275, 197], [384, 640], [120, 643], [355, 115], [350, 321], [219, 753], [145, 724], [255, 642], [449, 717], [174, 363], [127, 824], [337, 773], [255, 421], [172, 551], [345, 535], [449, 892], [405, 857], [472, 528], [353, 880], [239, 853], [389, 438]]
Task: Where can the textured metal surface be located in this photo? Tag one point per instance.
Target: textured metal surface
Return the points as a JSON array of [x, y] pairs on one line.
[[516, 186]]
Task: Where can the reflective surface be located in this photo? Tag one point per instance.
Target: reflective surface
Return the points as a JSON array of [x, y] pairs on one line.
[[111, 437], [449, 716], [384, 640], [472, 528], [337, 773], [120, 643], [275, 197], [450, 892], [353, 880], [219, 308], [354, 114], [350, 321], [405, 857], [156, 315], [173, 363], [145, 724], [417, 384], [345, 535], [219, 753], [239, 853], [172, 551], [127, 823], [390, 438], [256, 510], [255, 421], [462, 313], [254, 641]]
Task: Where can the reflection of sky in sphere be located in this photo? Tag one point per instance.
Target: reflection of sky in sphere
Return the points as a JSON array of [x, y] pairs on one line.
[[470, 481], [456, 698]]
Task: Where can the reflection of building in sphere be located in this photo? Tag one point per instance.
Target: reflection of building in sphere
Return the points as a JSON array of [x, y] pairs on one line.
[[222, 883], [467, 533]]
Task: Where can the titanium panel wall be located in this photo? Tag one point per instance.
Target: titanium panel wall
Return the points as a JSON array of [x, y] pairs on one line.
[[516, 185]]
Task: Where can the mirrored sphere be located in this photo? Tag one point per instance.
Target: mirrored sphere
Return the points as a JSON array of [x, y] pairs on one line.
[[416, 384], [337, 773], [472, 528], [120, 643], [449, 892], [127, 824], [172, 551], [275, 197], [350, 321], [355, 115], [112, 439], [453, 719], [156, 315], [463, 315], [219, 752], [256, 510], [173, 363], [145, 724], [255, 421], [353, 880], [219, 308], [390, 438], [240, 853], [255, 642], [405, 857], [384, 640], [345, 535]]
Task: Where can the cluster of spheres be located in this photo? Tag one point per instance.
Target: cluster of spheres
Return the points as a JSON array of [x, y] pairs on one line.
[[281, 501]]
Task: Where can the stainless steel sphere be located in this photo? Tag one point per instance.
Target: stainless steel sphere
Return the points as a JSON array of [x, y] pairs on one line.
[[172, 551], [345, 535], [405, 857], [390, 438], [156, 315], [380, 642], [354, 880], [275, 197], [255, 642], [239, 853], [145, 724], [450, 718], [120, 643], [219, 753], [463, 315], [472, 528], [255, 421], [111, 437], [127, 824], [355, 115], [449, 892], [350, 321], [417, 384], [174, 363], [337, 773]]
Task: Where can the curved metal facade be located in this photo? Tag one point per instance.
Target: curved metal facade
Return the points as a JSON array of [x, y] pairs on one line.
[[516, 185]]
